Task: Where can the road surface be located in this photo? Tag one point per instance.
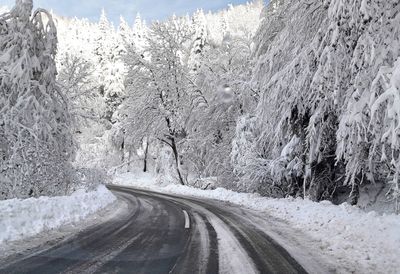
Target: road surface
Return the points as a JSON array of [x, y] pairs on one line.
[[164, 234]]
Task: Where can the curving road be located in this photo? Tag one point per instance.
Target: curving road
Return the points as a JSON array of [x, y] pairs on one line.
[[165, 234]]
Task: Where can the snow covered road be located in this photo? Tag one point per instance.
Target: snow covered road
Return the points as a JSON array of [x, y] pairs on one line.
[[166, 234]]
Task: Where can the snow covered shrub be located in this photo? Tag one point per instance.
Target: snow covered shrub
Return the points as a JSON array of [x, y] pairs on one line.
[[243, 151], [89, 178], [95, 149], [257, 172], [35, 136], [164, 166], [206, 183]]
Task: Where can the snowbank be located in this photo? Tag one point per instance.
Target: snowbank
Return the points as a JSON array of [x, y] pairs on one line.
[[366, 242], [24, 218]]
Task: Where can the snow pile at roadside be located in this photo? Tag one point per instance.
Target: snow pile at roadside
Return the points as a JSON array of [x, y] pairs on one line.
[[365, 242], [24, 218]]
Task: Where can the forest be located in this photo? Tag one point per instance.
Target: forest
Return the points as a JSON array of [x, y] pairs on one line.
[[285, 99]]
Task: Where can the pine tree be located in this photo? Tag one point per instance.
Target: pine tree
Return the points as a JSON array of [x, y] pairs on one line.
[[125, 33], [109, 51], [199, 22], [139, 34]]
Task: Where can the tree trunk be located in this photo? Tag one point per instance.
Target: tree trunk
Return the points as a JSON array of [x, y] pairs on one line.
[[146, 152], [129, 160], [123, 151], [176, 155]]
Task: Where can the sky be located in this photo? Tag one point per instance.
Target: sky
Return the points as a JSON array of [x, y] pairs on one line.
[[148, 9]]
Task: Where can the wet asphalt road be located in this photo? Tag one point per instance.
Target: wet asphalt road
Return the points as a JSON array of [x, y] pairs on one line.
[[164, 234]]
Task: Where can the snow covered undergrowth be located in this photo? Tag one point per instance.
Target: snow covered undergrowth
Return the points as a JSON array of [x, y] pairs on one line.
[[363, 242], [20, 219]]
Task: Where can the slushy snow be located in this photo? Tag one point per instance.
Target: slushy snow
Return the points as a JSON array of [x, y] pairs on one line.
[[20, 219], [354, 238]]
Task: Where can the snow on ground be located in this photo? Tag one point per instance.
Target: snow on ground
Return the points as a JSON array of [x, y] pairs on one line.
[[366, 242], [20, 219], [15, 250]]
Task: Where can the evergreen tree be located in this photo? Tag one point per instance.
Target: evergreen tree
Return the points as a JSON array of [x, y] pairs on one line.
[[109, 51]]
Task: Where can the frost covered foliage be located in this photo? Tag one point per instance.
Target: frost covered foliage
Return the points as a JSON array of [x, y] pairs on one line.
[[329, 75], [35, 138]]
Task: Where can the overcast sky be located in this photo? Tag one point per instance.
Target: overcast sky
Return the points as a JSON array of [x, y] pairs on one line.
[[149, 9]]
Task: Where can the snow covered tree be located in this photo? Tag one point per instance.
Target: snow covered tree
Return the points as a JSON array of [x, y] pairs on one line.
[[139, 33], [159, 95], [35, 135], [327, 77], [109, 51], [222, 93], [368, 132], [199, 22], [297, 105], [239, 20], [77, 82], [127, 36]]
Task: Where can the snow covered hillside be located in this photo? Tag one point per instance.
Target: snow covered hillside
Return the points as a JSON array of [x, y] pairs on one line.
[[343, 232]]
